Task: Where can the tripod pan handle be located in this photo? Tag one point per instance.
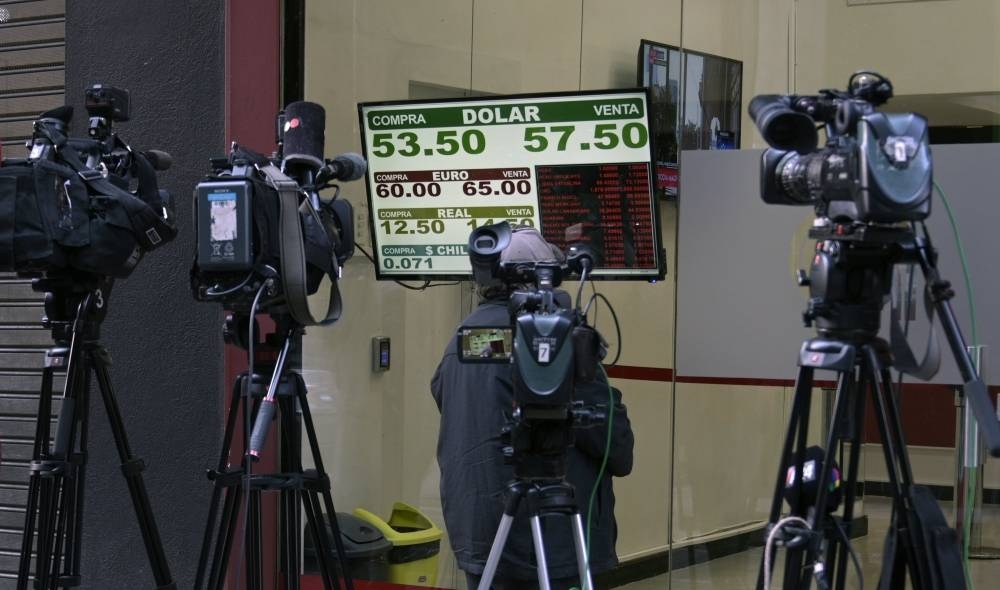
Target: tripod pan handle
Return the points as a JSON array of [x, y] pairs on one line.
[[261, 426]]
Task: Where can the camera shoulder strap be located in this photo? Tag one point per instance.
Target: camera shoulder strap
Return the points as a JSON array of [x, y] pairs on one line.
[[292, 253]]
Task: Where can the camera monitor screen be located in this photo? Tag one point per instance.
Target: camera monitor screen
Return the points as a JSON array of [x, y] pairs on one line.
[[489, 344], [575, 165]]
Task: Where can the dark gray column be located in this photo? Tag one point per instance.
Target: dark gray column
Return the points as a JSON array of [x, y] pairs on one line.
[[167, 348]]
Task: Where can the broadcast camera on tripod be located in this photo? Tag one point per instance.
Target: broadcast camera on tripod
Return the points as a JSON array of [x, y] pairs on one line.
[[551, 348], [871, 188], [266, 241], [79, 213]]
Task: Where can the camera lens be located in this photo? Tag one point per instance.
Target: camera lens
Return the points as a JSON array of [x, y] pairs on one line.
[[782, 127]]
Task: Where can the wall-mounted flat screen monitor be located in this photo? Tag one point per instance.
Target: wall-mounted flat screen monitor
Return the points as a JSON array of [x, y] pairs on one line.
[[703, 112], [575, 165]]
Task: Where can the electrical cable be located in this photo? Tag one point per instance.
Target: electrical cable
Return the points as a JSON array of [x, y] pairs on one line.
[[211, 292], [970, 492], [604, 461], [247, 427], [770, 543], [854, 556], [579, 289], [614, 317]]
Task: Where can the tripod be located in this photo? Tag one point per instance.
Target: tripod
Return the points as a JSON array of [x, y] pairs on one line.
[[275, 389], [536, 444], [545, 498], [75, 306], [850, 276]]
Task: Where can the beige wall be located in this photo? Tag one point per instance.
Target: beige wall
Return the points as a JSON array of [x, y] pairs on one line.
[[720, 442], [924, 47]]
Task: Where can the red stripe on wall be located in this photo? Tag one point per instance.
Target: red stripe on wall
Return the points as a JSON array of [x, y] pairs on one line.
[[749, 381], [316, 583], [927, 410], [639, 373]]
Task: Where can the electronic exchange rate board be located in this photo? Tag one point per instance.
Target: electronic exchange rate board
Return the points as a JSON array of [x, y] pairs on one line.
[[575, 165]]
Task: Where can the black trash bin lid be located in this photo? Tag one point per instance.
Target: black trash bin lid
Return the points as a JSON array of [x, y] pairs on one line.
[[361, 539]]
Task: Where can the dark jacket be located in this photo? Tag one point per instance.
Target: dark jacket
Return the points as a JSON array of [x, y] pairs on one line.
[[475, 401]]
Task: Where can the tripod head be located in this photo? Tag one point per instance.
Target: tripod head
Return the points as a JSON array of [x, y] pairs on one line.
[[72, 296], [850, 277]]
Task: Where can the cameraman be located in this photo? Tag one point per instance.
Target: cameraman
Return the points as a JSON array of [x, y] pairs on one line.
[[475, 401]]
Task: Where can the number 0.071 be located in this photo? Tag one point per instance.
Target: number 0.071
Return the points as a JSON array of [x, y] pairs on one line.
[[407, 263]]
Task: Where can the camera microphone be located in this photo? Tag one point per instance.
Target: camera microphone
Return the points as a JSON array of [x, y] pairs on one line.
[[346, 167], [305, 123], [158, 159]]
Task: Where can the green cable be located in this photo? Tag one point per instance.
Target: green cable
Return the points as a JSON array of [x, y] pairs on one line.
[[604, 462], [965, 263], [970, 492]]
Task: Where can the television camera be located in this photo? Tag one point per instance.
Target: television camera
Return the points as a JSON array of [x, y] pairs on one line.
[[78, 214], [552, 349], [871, 189], [266, 240], [261, 222], [83, 205], [875, 167]]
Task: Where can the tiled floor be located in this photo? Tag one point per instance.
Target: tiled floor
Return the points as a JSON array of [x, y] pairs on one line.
[[739, 571]]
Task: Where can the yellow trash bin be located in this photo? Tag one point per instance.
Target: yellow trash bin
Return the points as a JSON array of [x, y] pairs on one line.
[[416, 543]]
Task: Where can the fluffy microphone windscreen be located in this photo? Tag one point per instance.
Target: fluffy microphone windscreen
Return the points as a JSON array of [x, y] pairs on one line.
[[305, 123]]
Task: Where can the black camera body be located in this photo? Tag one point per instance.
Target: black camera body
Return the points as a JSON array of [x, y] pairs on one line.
[[553, 350], [875, 168], [544, 351], [239, 234], [264, 235], [89, 205], [552, 344]]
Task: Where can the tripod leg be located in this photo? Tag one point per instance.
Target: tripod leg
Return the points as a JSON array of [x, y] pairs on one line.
[[493, 560], [40, 450], [898, 468], [798, 422], [853, 436], [218, 489], [813, 553], [582, 561], [310, 429], [132, 469], [59, 479], [255, 559], [224, 543], [75, 533], [289, 521], [539, 542], [71, 507], [317, 529], [516, 493]]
